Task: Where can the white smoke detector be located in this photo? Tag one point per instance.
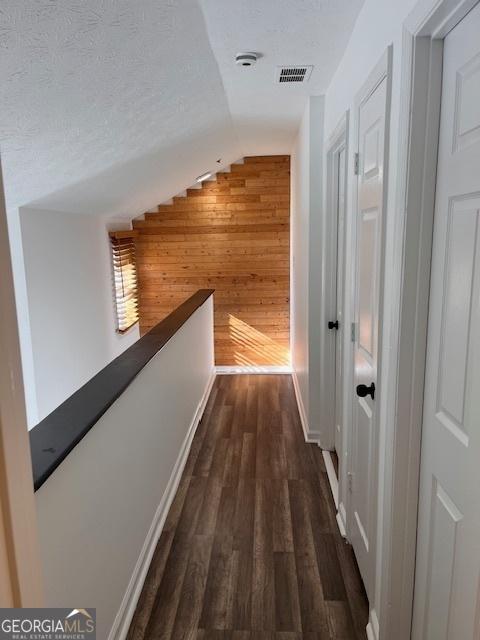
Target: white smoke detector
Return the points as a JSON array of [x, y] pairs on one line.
[[246, 59]]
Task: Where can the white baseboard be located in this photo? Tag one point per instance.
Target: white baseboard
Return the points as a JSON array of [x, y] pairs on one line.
[[333, 482], [332, 476], [251, 369], [127, 608], [341, 526], [301, 408], [342, 519], [373, 630], [310, 436]]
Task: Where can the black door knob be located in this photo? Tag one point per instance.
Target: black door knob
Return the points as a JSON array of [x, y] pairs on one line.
[[363, 390], [333, 325]]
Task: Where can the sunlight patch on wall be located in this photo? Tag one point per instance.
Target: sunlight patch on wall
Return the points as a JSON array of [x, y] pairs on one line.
[[252, 347]]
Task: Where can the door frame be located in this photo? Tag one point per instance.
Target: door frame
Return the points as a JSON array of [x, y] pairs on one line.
[[338, 140], [383, 70], [21, 581], [421, 84]]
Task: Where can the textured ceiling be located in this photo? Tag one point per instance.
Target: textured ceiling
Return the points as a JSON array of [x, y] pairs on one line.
[[111, 106], [285, 32], [120, 98]]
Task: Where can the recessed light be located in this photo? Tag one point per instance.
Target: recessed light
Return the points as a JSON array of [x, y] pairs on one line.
[[204, 176]]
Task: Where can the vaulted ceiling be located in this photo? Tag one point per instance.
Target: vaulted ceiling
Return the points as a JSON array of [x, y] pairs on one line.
[[267, 114], [110, 106]]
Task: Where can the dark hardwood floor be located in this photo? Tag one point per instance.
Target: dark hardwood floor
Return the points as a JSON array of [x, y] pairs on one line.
[[250, 549]]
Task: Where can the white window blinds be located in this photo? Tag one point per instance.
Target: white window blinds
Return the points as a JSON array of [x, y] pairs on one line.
[[124, 278]]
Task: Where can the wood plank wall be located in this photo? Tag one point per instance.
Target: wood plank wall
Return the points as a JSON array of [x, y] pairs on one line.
[[232, 235]]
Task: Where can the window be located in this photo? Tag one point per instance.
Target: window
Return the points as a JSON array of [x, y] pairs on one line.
[[124, 278]]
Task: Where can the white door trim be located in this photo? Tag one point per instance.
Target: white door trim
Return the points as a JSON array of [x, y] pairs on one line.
[[381, 71], [338, 139], [424, 30], [21, 583]]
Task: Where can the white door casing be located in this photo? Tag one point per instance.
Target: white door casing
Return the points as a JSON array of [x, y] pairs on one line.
[[447, 593], [338, 359], [371, 116], [409, 260], [340, 182], [21, 581]]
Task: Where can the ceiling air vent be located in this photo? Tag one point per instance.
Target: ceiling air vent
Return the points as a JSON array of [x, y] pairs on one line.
[[293, 74]]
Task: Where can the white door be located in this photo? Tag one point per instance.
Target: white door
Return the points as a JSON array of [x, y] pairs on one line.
[[446, 603], [340, 200], [369, 213]]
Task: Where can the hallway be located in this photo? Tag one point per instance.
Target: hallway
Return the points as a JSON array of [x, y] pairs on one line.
[[251, 548]]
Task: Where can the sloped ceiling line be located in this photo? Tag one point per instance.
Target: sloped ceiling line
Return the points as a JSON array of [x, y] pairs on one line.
[[111, 106], [95, 93]]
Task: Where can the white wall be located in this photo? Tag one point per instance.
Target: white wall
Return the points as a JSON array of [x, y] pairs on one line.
[[380, 24], [101, 512], [70, 304], [299, 224], [306, 225]]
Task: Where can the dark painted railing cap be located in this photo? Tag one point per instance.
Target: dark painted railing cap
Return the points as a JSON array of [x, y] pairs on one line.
[[52, 439]]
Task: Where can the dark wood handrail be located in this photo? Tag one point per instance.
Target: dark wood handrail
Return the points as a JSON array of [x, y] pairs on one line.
[[52, 439]]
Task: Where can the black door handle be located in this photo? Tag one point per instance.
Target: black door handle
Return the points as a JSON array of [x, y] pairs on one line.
[[363, 390], [333, 325]]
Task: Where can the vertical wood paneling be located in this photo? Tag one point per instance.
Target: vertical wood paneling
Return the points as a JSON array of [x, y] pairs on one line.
[[232, 235]]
